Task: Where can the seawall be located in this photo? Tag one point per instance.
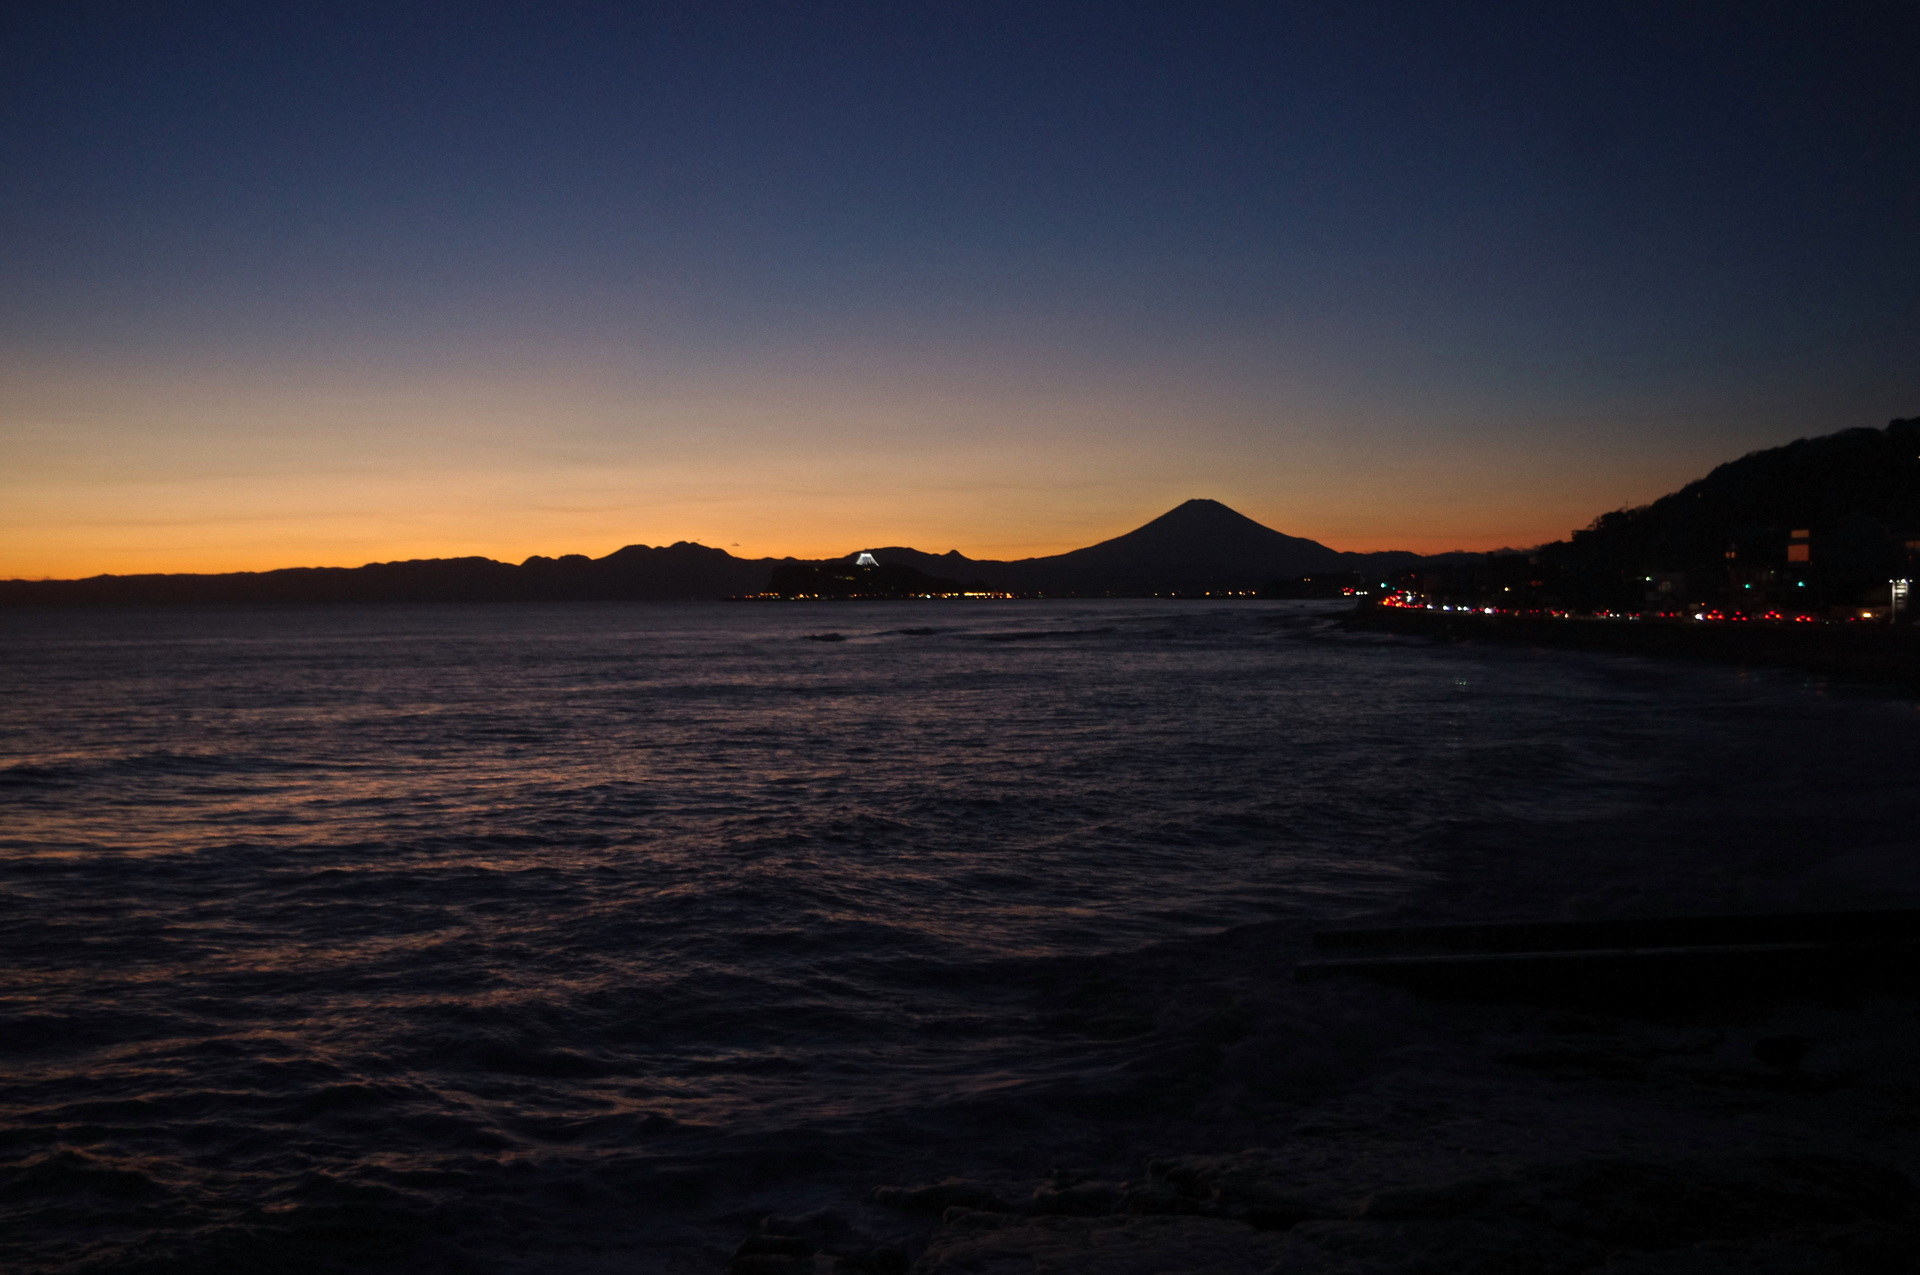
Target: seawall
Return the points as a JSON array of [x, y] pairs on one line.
[[1882, 654]]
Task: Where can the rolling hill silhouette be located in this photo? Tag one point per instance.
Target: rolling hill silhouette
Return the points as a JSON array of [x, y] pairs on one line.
[[1854, 488], [1199, 546], [1858, 486]]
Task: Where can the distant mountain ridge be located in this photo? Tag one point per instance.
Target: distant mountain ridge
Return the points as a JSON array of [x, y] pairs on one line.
[[637, 572], [1853, 490], [1196, 547]]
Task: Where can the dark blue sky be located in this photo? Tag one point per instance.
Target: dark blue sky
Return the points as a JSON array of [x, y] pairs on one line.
[[359, 282]]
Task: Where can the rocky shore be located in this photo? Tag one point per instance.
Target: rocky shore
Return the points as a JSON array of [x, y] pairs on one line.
[[1341, 1127], [1473, 1140]]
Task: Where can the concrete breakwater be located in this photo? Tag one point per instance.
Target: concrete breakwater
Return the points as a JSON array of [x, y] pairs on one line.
[[1879, 653]]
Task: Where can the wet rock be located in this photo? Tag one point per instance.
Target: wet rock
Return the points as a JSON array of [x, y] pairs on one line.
[[769, 1264], [1817, 1251], [821, 1242], [769, 1254], [1784, 1052], [1766, 1214], [938, 1197], [821, 1228], [1200, 1175], [971, 1242], [1451, 1247], [1278, 1214], [1079, 1199], [1154, 1198], [765, 1245], [1243, 1186], [885, 1260], [1427, 1204], [816, 1242], [1651, 1205], [1788, 1215]]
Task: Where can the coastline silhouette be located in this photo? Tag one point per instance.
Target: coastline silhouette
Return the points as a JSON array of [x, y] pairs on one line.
[[1854, 495]]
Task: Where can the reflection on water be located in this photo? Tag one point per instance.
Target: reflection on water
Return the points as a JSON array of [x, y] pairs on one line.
[[403, 925]]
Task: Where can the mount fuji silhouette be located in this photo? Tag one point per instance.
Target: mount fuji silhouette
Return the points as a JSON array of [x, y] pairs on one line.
[[1203, 532], [1199, 546]]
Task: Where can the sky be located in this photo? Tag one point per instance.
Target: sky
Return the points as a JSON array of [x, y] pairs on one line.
[[323, 285]]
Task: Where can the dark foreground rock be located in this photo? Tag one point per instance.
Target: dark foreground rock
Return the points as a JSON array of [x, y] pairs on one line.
[[1803, 1214], [970, 1242], [820, 1241], [1400, 1135]]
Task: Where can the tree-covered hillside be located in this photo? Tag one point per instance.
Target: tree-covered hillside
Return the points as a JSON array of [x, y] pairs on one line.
[[1858, 485], [1818, 524]]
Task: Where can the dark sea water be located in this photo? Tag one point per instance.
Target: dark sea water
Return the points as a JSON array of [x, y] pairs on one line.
[[566, 938]]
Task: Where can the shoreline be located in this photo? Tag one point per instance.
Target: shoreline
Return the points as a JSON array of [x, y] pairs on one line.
[[1354, 1129], [1883, 655]]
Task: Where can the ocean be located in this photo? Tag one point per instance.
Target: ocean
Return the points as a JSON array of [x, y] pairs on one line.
[[578, 937]]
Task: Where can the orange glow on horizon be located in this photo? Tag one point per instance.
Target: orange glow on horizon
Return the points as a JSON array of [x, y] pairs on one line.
[[216, 546], [168, 467]]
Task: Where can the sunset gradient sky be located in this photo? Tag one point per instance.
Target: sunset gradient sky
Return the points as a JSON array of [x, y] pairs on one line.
[[346, 283]]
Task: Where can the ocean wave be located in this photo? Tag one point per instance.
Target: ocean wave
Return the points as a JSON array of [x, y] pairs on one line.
[[531, 955]]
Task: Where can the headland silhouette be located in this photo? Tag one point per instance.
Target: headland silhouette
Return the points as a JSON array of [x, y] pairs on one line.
[[1838, 515], [1200, 546]]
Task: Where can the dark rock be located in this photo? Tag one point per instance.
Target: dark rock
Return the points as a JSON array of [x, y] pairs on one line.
[[820, 1227], [1152, 1199], [1081, 1199], [1279, 1215], [1784, 1052], [1585, 1210], [1243, 1186], [938, 1197], [1644, 1205], [768, 1264], [1856, 1250], [765, 1245], [1427, 1204], [973, 1243], [885, 1260]]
